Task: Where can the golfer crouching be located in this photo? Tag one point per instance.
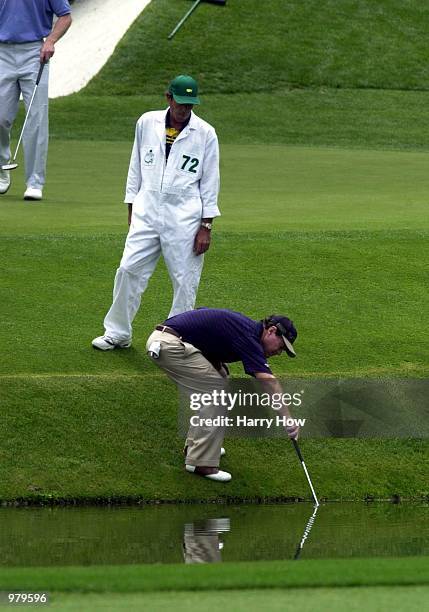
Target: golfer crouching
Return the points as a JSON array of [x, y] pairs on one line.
[[193, 347]]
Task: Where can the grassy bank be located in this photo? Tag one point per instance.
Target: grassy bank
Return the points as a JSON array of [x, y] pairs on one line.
[[251, 46], [343, 74], [95, 439]]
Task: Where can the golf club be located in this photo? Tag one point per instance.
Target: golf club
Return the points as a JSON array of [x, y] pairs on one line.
[[191, 10], [12, 164], [298, 452], [306, 533]]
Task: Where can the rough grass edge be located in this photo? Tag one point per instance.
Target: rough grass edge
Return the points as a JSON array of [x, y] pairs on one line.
[[49, 500]]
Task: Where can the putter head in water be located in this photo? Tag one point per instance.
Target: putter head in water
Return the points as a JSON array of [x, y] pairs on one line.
[[9, 166]]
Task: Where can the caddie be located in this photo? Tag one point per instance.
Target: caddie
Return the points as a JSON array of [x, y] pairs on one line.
[[172, 194], [193, 347]]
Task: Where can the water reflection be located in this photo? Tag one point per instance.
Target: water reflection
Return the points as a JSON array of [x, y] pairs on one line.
[[306, 533], [201, 540], [196, 533]]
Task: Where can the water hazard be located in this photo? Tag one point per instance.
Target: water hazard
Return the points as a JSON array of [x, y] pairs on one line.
[[210, 533]]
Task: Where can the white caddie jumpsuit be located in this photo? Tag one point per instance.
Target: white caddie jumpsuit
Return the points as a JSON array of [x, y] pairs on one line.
[[169, 200]]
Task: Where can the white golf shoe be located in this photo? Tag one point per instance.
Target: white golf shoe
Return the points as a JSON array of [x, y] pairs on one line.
[[4, 181], [105, 343], [219, 476], [32, 193]]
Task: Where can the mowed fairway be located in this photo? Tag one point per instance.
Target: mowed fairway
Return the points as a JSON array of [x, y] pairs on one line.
[[373, 599], [326, 584], [337, 239]]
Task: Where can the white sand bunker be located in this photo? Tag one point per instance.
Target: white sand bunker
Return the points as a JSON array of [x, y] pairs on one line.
[[98, 26]]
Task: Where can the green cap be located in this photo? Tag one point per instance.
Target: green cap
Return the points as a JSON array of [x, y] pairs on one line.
[[184, 90]]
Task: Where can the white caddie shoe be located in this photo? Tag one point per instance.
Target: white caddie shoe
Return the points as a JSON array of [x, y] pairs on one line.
[[4, 181], [219, 476], [32, 193], [105, 343]]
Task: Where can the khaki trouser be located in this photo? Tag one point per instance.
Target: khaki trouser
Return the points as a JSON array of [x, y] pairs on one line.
[[189, 369]]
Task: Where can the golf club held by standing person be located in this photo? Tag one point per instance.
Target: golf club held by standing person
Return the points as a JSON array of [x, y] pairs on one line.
[[27, 42]]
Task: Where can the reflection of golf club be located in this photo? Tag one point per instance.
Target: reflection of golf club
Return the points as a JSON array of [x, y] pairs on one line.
[[12, 165], [298, 452], [306, 533]]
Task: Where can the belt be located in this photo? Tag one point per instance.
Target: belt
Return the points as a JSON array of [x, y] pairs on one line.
[[168, 330], [22, 42]]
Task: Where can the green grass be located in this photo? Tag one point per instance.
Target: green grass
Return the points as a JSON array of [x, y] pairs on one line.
[[265, 189], [344, 74], [272, 72], [336, 238], [92, 437], [253, 46], [400, 584], [53, 327], [367, 274], [303, 574], [328, 599], [322, 116]]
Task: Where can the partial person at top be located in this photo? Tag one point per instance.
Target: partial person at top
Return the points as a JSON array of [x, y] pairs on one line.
[[27, 39]]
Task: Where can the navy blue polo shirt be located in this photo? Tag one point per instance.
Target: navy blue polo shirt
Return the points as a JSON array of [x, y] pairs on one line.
[[223, 336]]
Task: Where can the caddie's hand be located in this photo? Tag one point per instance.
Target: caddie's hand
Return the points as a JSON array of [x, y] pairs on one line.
[[47, 50], [293, 432], [202, 241]]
